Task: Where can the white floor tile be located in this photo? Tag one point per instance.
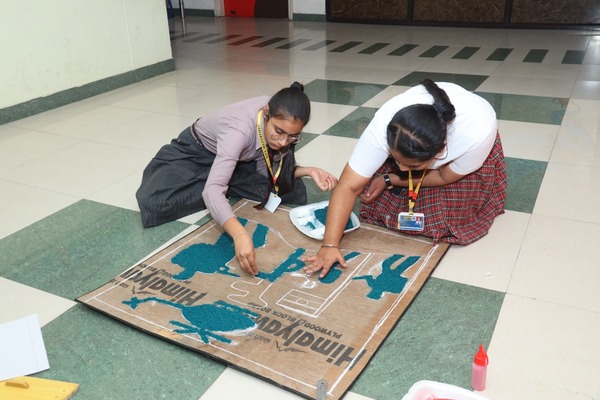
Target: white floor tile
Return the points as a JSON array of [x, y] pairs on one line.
[[92, 120], [542, 71], [210, 100], [195, 78], [18, 301], [233, 384], [571, 192], [81, 169], [121, 193], [527, 140], [558, 263], [19, 146], [148, 99], [483, 67], [148, 134], [531, 86], [489, 262], [579, 135], [325, 115], [385, 95], [541, 350], [328, 152], [23, 205], [587, 89], [195, 217]]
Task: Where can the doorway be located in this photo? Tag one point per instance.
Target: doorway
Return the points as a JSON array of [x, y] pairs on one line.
[[256, 8]]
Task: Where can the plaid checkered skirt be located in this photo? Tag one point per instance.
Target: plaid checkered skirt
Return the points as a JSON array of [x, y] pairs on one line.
[[460, 213]]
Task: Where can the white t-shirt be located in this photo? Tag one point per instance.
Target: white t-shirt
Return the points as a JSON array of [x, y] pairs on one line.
[[470, 136]]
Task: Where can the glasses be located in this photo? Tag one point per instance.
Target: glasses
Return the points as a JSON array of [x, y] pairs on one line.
[[289, 139], [278, 135]]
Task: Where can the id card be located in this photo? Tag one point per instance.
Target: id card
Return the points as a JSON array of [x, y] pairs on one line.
[[273, 202], [408, 222]]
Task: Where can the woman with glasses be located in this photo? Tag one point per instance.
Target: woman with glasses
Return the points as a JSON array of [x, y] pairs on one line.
[[429, 163], [245, 150]]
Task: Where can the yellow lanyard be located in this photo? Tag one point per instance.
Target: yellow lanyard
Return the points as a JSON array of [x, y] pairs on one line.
[[263, 146], [412, 195]]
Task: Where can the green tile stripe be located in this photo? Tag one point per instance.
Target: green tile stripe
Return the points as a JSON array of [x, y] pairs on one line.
[[435, 339], [374, 48], [269, 42], [199, 38], [110, 360], [342, 92], [345, 47], [245, 40], [402, 50], [80, 248], [72, 95], [319, 45], [535, 55], [537, 109], [434, 51], [223, 39], [465, 53], [293, 43], [352, 125], [469, 82], [499, 54], [573, 57], [524, 182]]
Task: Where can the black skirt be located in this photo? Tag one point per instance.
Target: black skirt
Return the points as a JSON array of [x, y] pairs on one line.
[[173, 182]]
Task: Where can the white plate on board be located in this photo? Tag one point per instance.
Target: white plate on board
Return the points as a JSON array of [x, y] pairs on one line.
[[310, 219]]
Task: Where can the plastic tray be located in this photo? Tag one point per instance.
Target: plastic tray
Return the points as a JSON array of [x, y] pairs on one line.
[[309, 219], [431, 390]]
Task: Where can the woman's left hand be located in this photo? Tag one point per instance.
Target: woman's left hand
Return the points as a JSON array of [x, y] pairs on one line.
[[324, 180], [373, 191]]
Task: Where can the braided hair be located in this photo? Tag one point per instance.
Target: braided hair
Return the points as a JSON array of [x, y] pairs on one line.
[[419, 131]]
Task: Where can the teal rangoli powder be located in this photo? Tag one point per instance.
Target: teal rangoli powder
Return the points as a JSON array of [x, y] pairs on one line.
[[291, 264], [208, 258], [389, 280], [335, 271], [321, 216], [206, 319]]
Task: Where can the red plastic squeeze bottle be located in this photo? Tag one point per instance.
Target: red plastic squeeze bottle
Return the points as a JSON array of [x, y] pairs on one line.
[[478, 376]]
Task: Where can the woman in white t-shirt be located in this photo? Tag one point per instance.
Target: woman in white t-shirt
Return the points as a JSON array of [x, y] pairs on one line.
[[430, 163]]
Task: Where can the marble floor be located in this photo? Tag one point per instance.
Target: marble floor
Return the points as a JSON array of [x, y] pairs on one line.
[[528, 290]]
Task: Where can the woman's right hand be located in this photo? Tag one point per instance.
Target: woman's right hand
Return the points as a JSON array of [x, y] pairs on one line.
[[323, 261], [245, 254]]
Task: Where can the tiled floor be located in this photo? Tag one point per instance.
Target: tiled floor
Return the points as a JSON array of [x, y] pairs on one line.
[[528, 290]]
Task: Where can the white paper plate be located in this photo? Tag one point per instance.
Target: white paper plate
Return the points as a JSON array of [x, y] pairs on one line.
[[306, 219]]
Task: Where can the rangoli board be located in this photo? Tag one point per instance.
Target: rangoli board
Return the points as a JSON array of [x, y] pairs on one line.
[[299, 332]]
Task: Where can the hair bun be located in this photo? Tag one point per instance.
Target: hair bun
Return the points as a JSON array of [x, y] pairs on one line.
[[297, 85]]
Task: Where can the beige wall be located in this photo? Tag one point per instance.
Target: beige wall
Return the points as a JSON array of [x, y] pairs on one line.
[[47, 46]]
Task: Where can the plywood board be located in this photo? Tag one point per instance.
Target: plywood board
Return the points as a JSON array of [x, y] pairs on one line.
[[285, 327]]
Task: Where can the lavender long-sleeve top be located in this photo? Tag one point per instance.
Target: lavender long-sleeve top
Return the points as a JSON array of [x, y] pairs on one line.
[[230, 133]]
